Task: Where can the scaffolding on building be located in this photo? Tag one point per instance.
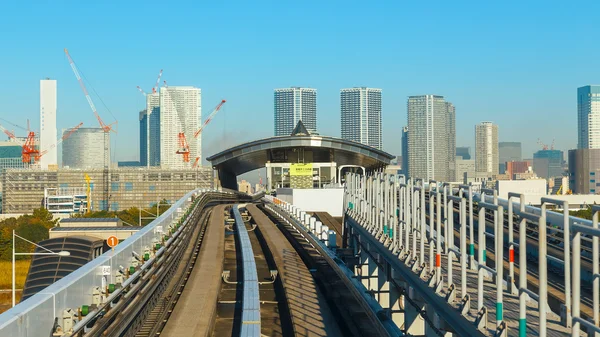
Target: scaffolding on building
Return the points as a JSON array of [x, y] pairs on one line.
[[24, 189]]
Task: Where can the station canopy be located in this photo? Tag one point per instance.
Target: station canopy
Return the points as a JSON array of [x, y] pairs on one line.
[[284, 149]]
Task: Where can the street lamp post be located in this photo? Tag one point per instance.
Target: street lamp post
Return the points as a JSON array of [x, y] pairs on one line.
[[49, 252]]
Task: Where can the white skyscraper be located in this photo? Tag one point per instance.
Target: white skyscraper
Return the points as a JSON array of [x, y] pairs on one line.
[[361, 115], [431, 138], [180, 111], [48, 135], [293, 105], [486, 148]]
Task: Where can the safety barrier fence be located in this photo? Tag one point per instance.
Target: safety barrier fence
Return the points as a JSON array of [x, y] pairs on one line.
[[395, 212]]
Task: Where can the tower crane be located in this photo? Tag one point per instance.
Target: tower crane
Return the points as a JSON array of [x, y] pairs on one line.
[[65, 136], [208, 119], [155, 88], [107, 128], [544, 146], [10, 134]]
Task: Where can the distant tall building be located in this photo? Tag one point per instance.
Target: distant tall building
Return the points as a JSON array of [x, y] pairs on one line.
[[464, 152], [486, 148], [144, 137], [429, 119], [293, 105], [584, 171], [405, 168], [48, 133], [84, 149], [508, 151], [150, 131], [180, 111], [361, 115], [548, 163], [588, 117]]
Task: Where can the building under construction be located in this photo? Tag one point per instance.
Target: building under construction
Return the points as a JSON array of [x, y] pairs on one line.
[[23, 189]]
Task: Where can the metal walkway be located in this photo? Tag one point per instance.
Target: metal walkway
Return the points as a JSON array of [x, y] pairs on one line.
[[251, 294]]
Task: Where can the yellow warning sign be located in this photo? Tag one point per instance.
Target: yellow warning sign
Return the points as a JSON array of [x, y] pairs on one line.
[[301, 170]]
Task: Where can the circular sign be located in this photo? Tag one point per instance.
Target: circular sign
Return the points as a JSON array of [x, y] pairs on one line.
[[112, 241]]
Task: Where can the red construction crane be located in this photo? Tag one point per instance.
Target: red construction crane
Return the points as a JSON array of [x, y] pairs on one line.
[[29, 148], [105, 127], [209, 118], [65, 136], [184, 148], [196, 162], [155, 88]]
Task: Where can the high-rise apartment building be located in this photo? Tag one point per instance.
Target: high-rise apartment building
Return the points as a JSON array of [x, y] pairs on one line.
[[293, 105], [429, 139], [84, 149], [180, 111], [361, 115], [150, 131], [588, 117], [48, 133], [486, 148]]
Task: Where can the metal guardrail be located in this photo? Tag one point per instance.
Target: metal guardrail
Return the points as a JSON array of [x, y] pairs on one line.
[[365, 198], [36, 315], [251, 296], [322, 239]]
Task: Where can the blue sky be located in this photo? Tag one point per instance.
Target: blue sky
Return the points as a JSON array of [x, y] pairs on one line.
[[514, 63]]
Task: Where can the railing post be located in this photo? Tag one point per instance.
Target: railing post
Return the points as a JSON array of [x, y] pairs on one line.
[[543, 272], [449, 242], [511, 250], [499, 265], [481, 260], [595, 271], [431, 227], [471, 230], [423, 224], [577, 280], [523, 270], [413, 230], [438, 257], [463, 247]]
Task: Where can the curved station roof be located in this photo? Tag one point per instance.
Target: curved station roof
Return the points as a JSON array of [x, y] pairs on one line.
[[253, 155]]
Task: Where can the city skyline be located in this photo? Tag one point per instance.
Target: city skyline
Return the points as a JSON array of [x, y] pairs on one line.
[[247, 81]]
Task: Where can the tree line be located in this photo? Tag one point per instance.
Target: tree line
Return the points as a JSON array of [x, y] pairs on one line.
[[34, 227]]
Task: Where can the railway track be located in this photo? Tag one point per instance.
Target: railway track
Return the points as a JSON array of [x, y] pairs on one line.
[[158, 317]]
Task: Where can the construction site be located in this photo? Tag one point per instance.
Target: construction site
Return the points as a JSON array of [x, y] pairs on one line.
[[23, 190], [31, 176]]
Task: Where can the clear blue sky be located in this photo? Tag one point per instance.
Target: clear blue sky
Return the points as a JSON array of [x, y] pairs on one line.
[[514, 63]]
